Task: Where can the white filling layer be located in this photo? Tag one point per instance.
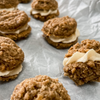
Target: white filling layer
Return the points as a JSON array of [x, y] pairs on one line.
[[12, 72], [82, 57], [43, 13], [8, 9], [18, 31], [69, 39]]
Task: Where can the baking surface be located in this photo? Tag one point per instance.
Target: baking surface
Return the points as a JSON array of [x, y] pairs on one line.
[[43, 59]]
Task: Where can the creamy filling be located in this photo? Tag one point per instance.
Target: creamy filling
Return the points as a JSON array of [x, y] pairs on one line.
[[44, 13], [82, 57], [8, 9], [69, 39], [18, 31], [12, 72]]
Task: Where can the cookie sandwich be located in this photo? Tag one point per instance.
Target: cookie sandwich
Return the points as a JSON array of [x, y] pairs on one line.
[[14, 24], [61, 32], [8, 5], [24, 1], [44, 9], [82, 62], [11, 58], [41, 87]]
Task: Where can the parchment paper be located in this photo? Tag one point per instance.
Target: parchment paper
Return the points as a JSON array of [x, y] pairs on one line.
[[43, 59]]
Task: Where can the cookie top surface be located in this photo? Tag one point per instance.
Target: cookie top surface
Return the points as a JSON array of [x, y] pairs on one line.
[[84, 46], [11, 56], [41, 87], [12, 20], [60, 27], [44, 4], [8, 3]]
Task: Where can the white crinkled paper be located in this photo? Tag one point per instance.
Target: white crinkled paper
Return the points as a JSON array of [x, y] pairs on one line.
[[41, 58]]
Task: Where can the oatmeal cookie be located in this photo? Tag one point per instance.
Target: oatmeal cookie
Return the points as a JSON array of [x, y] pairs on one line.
[[24, 1], [14, 24], [41, 87], [8, 3], [44, 4], [45, 18], [3, 78], [11, 56], [61, 32], [20, 36], [44, 9], [85, 66], [59, 45], [84, 46], [60, 27]]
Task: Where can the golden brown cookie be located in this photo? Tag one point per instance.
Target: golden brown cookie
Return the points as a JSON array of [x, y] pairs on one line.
[[41, 87], [44, 9], [8, 78], [8, 3], [44, 4], [14, 24], [82, 62], [61, 32], [11, 58], [45, 18], [24, 1], [84, 46]]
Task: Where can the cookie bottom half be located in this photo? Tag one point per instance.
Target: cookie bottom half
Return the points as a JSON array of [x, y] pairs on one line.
[[82, 73], [59, 45], [2, 78], [19, 36], [44, 18]]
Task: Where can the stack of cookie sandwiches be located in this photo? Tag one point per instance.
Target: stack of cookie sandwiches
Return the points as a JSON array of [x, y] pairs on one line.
[[82, 62], [8, 5], [41, 87], [14, 24], [11, 58], [61, 32], [44, 9]]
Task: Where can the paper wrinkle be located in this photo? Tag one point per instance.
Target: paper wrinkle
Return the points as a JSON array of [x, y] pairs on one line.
[[82, 57], [43, 59], [69, 39]]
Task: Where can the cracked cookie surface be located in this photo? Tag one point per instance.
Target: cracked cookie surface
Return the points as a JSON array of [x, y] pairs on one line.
[[60, 27], [41, 87]]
